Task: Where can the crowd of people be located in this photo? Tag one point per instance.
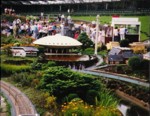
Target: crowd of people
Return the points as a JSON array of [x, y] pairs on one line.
[[62, 25], [9, 11]]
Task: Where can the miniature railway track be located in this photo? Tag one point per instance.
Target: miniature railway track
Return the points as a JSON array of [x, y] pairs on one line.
[[21, 103]]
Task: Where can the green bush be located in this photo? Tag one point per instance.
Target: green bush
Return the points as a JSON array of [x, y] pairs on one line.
[[88, 51], [86, 42], [8, 69], [49, 64], [134, 63], [62, 81], [36, 65], [22, 78]]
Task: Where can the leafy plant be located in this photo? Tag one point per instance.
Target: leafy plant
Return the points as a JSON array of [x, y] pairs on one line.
[[62, 81], [134, 63], [86, 42]]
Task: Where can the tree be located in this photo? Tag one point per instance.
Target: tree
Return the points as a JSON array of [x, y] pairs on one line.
[[62, 81], [86, 42], [134, 62]]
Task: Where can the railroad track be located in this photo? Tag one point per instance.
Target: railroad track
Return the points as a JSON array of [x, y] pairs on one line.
[[22, 105]]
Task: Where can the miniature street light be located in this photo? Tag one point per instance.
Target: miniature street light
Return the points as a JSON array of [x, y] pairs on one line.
[[97, 30]]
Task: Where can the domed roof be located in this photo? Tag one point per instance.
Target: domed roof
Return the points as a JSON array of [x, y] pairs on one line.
[[58, 41]]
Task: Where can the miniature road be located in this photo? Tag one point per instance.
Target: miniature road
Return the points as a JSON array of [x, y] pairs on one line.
[[21, 103]]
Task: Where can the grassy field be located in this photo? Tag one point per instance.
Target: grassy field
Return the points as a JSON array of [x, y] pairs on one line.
[[145, 23]]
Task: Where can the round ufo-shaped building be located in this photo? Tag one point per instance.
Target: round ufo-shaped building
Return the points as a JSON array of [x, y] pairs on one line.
[[61, 49], [58, 44]]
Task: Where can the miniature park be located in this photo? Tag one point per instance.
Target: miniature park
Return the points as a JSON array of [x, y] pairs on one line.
[[74, 65]]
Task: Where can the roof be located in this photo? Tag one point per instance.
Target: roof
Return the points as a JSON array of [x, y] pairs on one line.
[[58, 41], [116, 58], [114, 51], [117, 50], [27, 49], [121, 57], [127, 54], [122, 20]]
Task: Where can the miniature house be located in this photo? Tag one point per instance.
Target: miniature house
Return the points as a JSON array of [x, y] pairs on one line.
[[24, 51]]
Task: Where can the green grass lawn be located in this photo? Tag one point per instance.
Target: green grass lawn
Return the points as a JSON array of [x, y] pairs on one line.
[[145, 23]]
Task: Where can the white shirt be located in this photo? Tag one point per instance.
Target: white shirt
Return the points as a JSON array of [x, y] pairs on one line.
[[115, 32], [122, 30]]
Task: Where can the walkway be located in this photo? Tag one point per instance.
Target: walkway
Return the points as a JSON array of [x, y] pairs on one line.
[[21, 105]]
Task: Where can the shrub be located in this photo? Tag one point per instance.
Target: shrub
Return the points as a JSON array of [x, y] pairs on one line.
[[36, 65], [49, 64], [23, 78], [62, 81], [89, 51], [8, 69], [134, 63], [86, 42]]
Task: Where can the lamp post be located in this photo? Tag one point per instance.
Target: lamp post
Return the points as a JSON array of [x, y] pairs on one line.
[[97, 29]]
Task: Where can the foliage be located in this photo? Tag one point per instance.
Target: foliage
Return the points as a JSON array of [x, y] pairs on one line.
[[88, 51], [9, 39], [17, 62], [8, 69], [71, 96], [8, 106], [107, 99], [107, 111], [62, 81], [36, 65], [22, 79], [32, 17], [103, 53], [124, 43], [77, 108], [49, 64], [42, 100], [134, 63], [86, 42], [7, 50]]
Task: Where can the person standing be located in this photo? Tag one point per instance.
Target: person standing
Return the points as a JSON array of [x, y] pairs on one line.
[[116, 34], [122, 33]]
